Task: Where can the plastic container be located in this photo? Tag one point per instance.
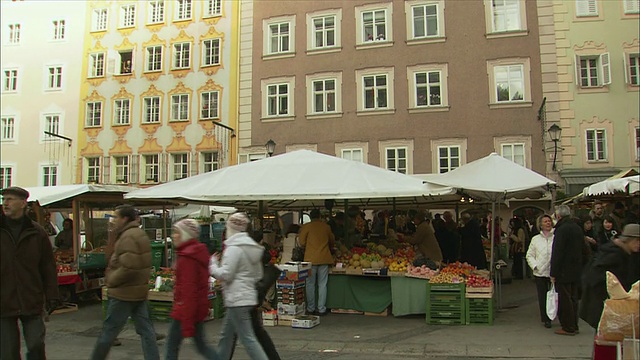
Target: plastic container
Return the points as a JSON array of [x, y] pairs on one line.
[[157, 254]]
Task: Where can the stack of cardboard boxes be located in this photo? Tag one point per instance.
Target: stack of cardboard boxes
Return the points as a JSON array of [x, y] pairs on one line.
[[290, 292]]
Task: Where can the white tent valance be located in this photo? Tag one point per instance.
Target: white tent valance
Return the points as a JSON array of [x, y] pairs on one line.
[[629, 185], [46, 195]]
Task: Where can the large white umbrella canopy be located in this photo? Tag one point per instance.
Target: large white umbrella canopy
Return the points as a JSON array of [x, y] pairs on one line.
[[630, 185], [47, 195], [299, 179]]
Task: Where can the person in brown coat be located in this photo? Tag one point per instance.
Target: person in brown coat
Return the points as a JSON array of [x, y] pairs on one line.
[[128, 286], [28, 276], [425, 238]]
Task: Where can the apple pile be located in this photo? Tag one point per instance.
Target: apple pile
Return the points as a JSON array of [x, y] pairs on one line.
[[64, 268], [446, 278], [478, 282], [421, 271]]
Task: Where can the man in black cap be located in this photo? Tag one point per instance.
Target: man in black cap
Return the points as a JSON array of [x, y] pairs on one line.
[[28, 276]]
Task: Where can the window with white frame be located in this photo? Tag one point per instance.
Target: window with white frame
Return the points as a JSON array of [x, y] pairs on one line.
[[509, 83], [96, 65], [632, 69], [428, 85], [396, 159], [151, 110], [8, 128], [324, 95], [126, 62], [181, 55], [448, 158], [631, 6], [375, 91], [93, 114], [121, 112], [14, 34], [213, 8], [6, 175], [596, 145], [180, 166], [514, 152], [154, 58], [49, 175], [210, 161], [58, 29], [156, 11], [586, 8], [324, 31], [51, 126], [180, 107], [593, 70], [93, 170], [279, 38], [10, 82], [211, 52], [374, 25], [278, 99], [99, 19], [151, 168], [506, 15], [352, 154], [127, 15], [183, 10], [426, 20], [637, 143], [121, 169], [54, 77], [209, 105]]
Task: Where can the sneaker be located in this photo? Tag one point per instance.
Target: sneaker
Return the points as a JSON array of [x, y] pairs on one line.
[[547, 324], [563, 332]]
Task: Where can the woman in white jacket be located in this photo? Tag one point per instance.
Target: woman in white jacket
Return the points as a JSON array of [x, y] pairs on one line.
[[539, 260]]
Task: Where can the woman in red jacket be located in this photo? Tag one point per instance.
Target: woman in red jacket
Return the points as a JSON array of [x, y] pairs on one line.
[[191, 290]]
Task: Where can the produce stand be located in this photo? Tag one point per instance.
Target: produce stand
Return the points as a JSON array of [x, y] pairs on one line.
[[359, 292], [409, 295]]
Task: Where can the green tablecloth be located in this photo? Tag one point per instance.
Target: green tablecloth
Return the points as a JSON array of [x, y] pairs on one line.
[[361, 293], [409, 295]]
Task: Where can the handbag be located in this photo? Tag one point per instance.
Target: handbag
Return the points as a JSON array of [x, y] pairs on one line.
[[552, 302], [297, 254]]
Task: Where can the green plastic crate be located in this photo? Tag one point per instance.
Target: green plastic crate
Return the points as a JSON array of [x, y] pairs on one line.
[[446, 304], [480, 311], [157, 254]]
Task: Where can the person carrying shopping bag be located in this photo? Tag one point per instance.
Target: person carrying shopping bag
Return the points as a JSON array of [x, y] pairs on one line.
[[539, 260]]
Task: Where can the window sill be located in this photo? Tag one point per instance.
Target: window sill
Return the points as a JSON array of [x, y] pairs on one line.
[[210, 119], [588, 18], [208, 66], [126, 27], [376, 112], [12, 44], [507, 34], [152, 71], [418, 110], [597, 162], [211, 16], [173, 121], [53, 90], [159, 23], [634, 88], [510, 105], [96, 77], [373, 45], [327, 50], [121, 125], [98, 31], [10, 141], [177, 21], [93, 127], [427, 40], [7, 92], [181, 68], [278, 119], [324, 116], [593, 90], [276, 56]]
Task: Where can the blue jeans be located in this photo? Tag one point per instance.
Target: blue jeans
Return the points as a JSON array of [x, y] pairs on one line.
[[33, 330], [117, 314], [174, 339], [237, 321], [321, 274]]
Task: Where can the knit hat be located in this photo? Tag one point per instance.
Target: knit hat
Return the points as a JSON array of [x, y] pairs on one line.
[[189, 229], [238, 222]]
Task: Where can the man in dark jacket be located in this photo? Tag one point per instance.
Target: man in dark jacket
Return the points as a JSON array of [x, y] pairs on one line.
[[566, 267], [128, 286], [28, 277]]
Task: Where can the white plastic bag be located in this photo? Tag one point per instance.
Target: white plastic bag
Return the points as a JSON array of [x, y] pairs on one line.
[[552, 302]]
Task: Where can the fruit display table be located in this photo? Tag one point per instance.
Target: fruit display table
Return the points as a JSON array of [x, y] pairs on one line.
[[409, 295], [358, 292]]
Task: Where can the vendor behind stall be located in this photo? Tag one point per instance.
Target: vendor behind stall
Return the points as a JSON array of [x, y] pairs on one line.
[[64, 240], [425, 238]]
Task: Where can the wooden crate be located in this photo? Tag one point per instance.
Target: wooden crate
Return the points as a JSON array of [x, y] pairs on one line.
[[385, 312], [160, 295], [479, 292], [346, 311]]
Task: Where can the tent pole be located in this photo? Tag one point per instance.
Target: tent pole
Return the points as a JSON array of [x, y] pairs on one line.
[[260, 214], [164, 236], [492, 239], [395, 213], [344, 223]]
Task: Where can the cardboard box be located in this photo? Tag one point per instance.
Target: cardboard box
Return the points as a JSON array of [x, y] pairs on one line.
[[305, 322], [270, 315], [289, 301], [285, 320], [295, 266], [291, 309], [290, 284], [267, 322], [295, 275]]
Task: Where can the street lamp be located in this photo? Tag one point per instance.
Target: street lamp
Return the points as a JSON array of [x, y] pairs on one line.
[[554, 133], [270, 146]]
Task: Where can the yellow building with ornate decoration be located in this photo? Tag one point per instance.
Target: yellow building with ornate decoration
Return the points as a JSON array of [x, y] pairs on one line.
[[158, 90]]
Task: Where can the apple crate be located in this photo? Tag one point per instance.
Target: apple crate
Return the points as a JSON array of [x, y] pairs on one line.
[[479, 311], [446, 304]]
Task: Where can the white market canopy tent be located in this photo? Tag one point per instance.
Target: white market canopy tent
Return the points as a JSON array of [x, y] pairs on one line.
[[48, 195], [628, 185], [299, 180]]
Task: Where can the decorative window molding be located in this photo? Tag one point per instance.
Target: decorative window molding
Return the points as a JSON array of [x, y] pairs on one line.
[[212, 8], [278, 98], [210, 161], [49, 175], [514, 148], [127, 16], [51, 123], [8, 128], [374, 26], [509, 82], [93, 114], [448, 154], [121, 169], [428, 90], [279, 38], [396, 155], [375, 91], [155, 12], [425, 21], [96, 65], [182, 10], [93, 169], [150, 168], [588, 10], [210, 52], [99, 20], [596, 137], [357, 151], [179, 166], [324, 95], [324, 31], [505, 18]]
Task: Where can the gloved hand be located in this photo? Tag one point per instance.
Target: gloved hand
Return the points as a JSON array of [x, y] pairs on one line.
[[52, 305]]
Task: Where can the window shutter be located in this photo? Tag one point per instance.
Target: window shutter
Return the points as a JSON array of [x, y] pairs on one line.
[[134, 169], [162, 167], [586, 7], [577, 59], [631, 6], [106, 176], [625, 64], [194, 164], [605, 67]]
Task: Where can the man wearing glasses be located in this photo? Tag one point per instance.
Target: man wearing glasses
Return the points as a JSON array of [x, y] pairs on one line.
[[28, 277]]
